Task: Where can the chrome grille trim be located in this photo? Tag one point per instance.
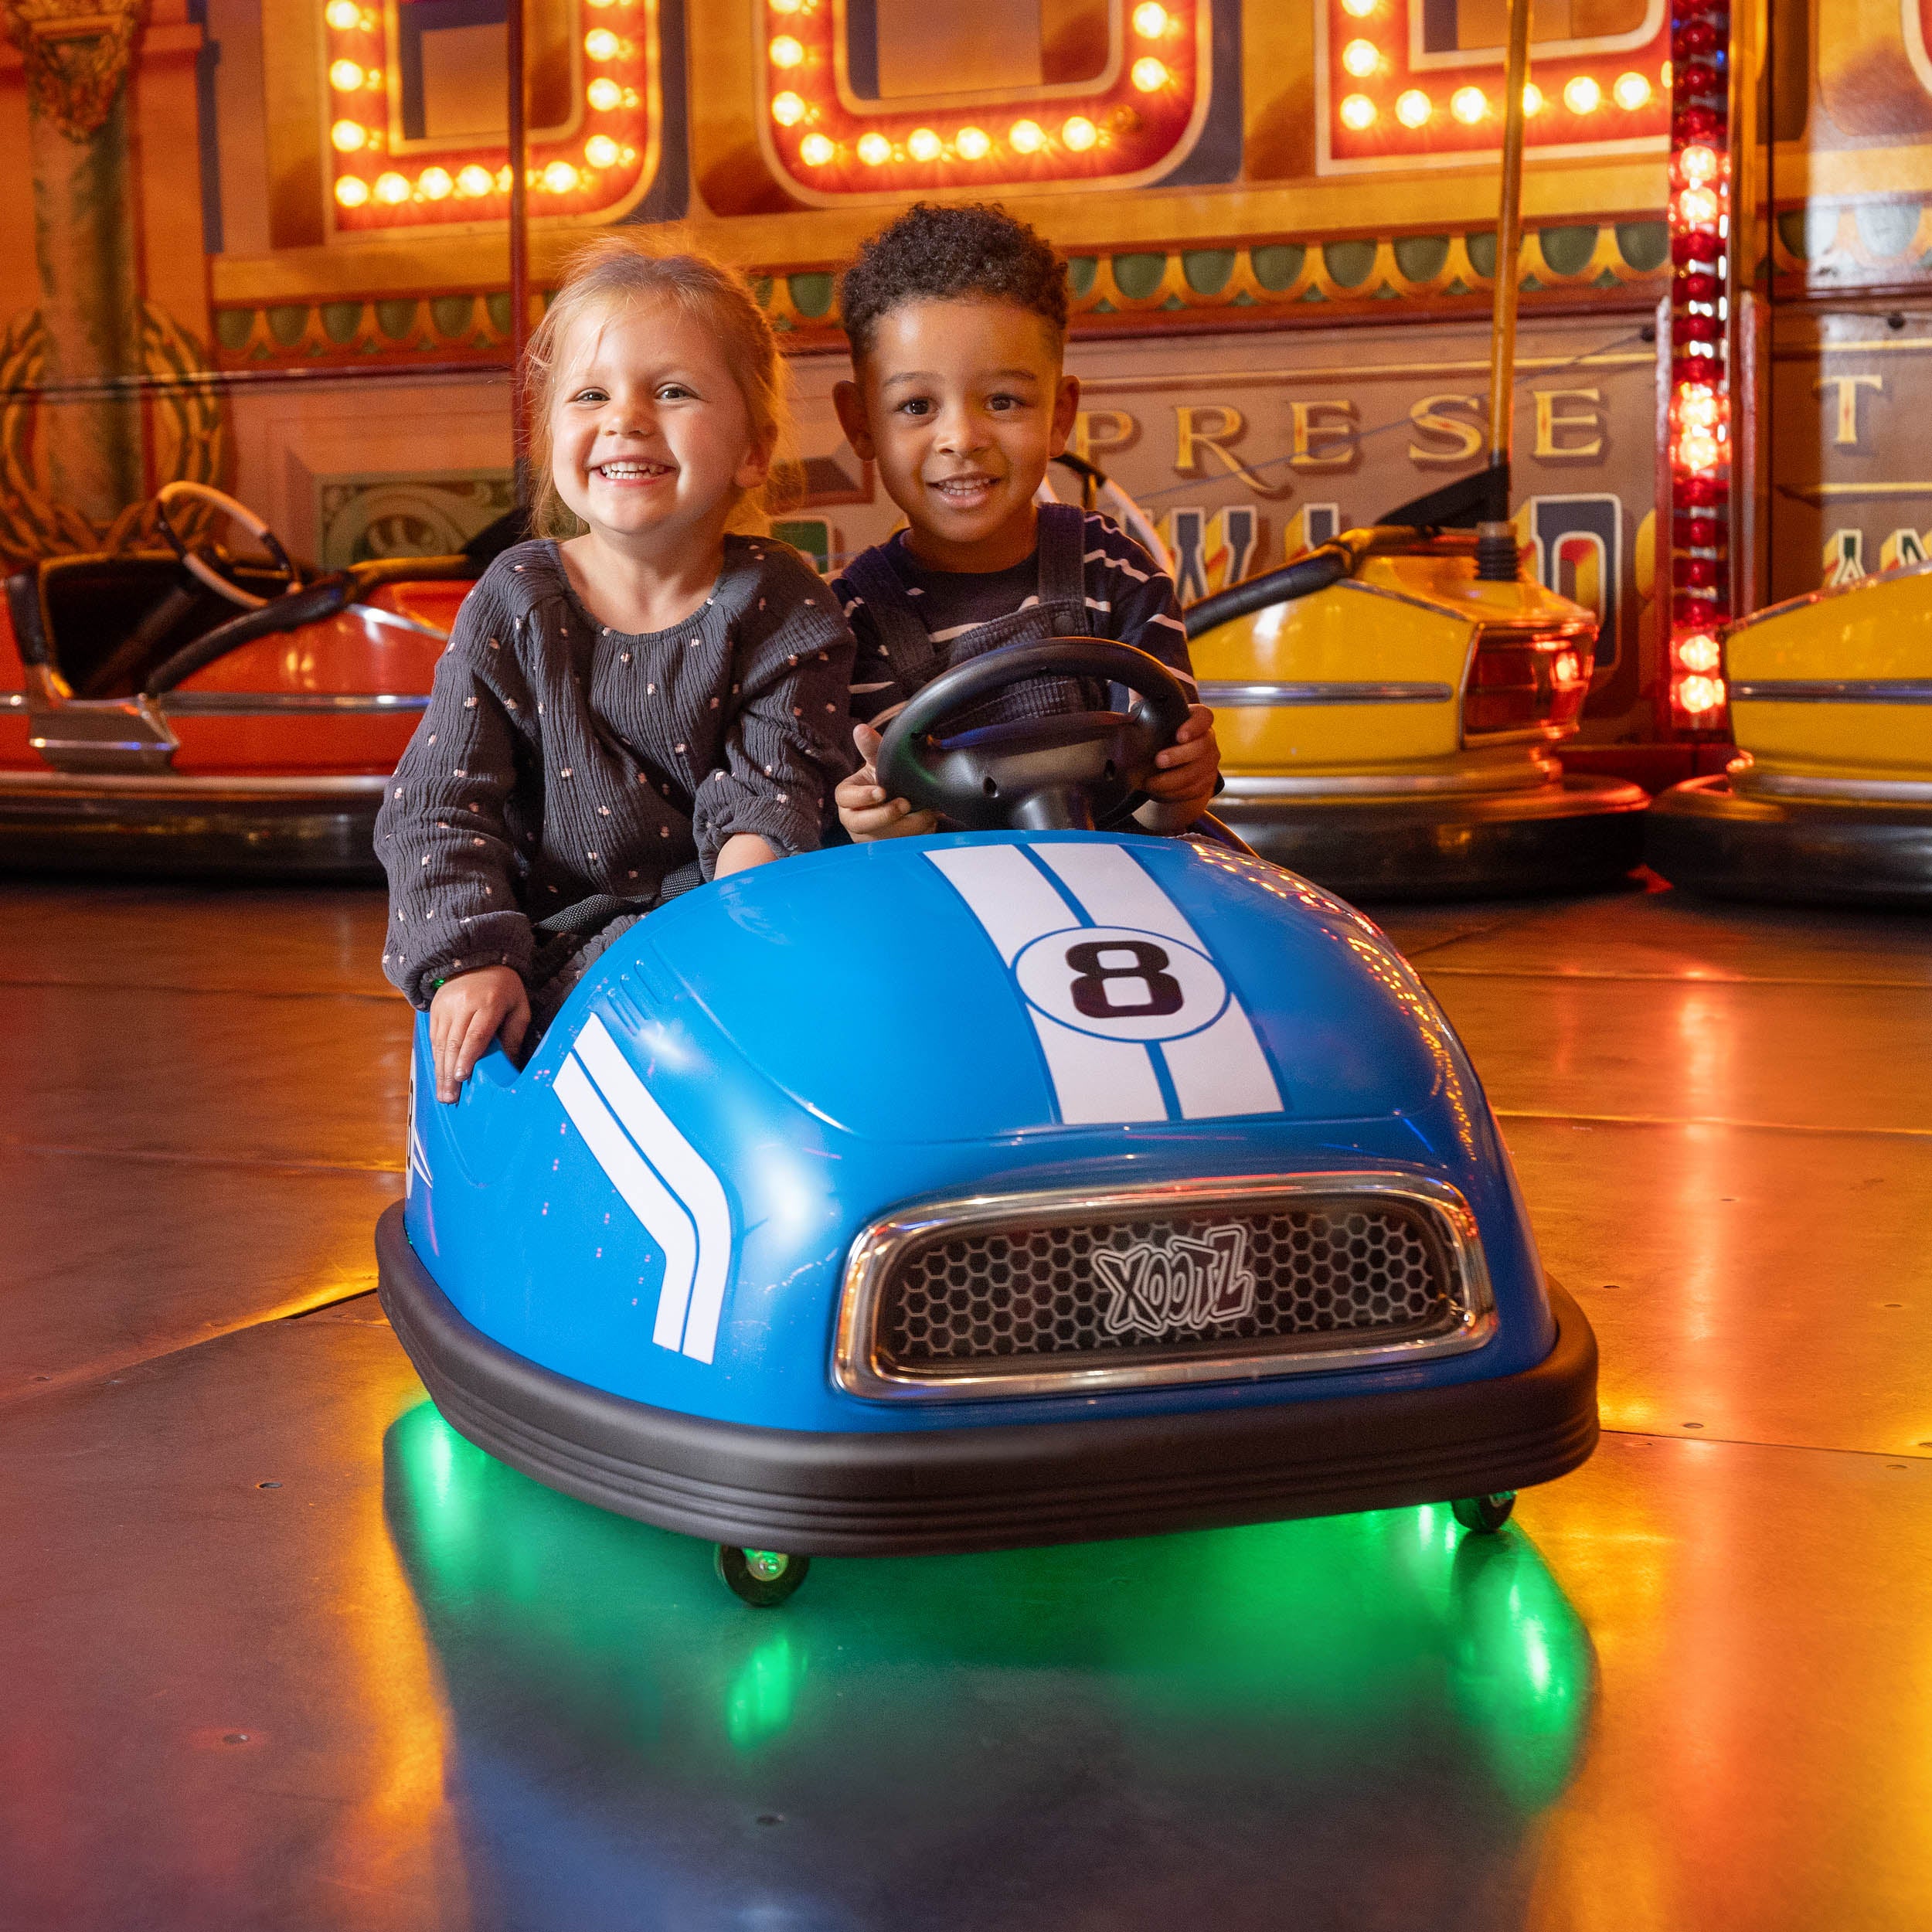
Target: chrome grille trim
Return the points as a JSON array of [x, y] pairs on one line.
[[860, 1369]]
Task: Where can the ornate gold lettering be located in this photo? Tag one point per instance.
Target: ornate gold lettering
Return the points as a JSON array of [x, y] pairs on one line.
[[1550, 422], [1846, 435], [1310, 431], [1208, 427], [1467, 437]]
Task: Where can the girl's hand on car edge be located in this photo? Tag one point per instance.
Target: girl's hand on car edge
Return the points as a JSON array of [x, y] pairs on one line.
[[467, 1013]]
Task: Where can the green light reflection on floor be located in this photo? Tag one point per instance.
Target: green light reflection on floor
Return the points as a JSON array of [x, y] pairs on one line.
[[1346, 1642]]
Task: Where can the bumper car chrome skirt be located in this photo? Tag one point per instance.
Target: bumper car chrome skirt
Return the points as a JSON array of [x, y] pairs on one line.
[[1582, 833], [911, 1492], [1706, 836], [164, 825]]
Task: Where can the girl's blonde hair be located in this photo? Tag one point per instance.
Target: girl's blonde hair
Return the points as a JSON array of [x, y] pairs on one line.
[[611, 273]]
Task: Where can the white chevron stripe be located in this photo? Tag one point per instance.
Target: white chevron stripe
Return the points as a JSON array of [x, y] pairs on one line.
[[647, 1196], [685, 1171]]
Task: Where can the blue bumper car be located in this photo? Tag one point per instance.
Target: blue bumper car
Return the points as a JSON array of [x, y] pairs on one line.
[[1024, 1184]]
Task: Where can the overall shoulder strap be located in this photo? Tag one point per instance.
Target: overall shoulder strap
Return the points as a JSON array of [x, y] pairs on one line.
[[1063, 553], [907, 648]]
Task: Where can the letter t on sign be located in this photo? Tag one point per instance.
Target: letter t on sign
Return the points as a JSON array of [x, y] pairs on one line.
[[1846, 437]]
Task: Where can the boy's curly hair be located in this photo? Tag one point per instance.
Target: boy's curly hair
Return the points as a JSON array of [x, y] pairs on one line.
[[931, 253]]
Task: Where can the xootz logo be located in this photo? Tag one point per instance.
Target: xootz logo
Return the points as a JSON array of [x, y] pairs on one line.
[[1121, 984], [1157, 1286]]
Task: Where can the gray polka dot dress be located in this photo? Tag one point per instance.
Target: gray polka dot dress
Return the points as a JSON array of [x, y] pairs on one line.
[[565, 774]]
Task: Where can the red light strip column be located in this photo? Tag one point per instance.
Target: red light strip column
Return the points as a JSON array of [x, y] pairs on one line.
[[1699, 452]]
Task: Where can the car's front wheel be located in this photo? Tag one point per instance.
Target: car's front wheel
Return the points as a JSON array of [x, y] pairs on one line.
[[762, 1578]]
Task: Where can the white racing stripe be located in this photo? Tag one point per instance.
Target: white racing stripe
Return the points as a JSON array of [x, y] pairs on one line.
[[1222, 1070], [1217, 1074], [1116, 890], [646, 1196], [1009, 894]]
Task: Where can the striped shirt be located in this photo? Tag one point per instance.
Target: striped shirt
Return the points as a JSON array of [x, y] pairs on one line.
[[1128, 599]]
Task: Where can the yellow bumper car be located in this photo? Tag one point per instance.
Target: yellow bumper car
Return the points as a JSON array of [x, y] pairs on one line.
[[1389, 715], [1829, 800]]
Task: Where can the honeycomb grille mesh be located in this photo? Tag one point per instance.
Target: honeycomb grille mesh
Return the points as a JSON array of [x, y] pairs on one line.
[[1276, 1279]]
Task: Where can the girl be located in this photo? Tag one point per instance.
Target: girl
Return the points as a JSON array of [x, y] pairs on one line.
[[623, 714]]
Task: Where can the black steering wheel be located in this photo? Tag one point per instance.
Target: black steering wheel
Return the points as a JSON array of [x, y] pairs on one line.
[[1073, 771], [207, 562]]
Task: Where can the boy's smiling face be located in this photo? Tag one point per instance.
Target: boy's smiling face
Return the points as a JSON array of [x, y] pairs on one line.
[[962, 404]]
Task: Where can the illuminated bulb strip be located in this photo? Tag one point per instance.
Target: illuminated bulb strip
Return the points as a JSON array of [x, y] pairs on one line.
[[816, 135], [597, 169], [1383, 109], [1698, 449]]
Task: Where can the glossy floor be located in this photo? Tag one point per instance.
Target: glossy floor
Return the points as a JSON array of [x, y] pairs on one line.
[[283, 1651]]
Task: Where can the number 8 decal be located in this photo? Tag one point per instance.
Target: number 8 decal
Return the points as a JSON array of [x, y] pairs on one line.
[[1138, 119], [1121, 984]]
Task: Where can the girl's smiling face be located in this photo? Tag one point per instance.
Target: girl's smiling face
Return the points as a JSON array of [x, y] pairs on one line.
[[651, 442]]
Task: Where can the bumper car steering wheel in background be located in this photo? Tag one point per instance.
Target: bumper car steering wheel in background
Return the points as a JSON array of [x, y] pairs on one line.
[[1074, 771], [206, 561]]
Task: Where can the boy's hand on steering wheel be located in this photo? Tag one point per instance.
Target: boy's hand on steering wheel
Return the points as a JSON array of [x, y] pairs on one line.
[[864, 811], [467, 1013], [1187, 770]]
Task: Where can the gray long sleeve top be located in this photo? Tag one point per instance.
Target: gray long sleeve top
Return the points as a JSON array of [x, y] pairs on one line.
[[561, 761]]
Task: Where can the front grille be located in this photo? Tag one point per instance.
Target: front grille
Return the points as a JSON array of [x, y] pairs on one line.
[[1287, 1276]]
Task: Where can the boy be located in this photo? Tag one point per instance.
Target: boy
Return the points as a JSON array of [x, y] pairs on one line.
[[957, 320]]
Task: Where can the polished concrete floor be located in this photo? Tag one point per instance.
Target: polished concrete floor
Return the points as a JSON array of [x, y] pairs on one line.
[[279, 1650]]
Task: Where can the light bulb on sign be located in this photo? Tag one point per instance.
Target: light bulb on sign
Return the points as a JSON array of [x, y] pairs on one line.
[[343, 15], [1699, 652], [1699, 451], [816, 151], [474, 181], [1360, 58], [1697, 208], [1698, 694], [1631, 91], [604, 94], [1697, 165], [346, 77], [875, 150], [1080, 134], [600, 44], [1025, 137], [1533, 98], [1413, 109], [348, 136], [391, 188], [972, 144], [601, 152], [1359, 9], [1150, 75], [352, 191], [1697, 407], [788, 109], [435, 184], [1583, 95], [1358, 112], [786, 52], [1469, 105], [560, 178], [1150, 20]]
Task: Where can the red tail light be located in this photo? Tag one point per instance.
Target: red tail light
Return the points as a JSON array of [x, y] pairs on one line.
[[1526, 684]]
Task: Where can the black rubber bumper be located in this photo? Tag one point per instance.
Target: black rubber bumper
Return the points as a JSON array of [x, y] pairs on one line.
[[157, 829], [964, 1488], [1582, 834], [1707, 837]]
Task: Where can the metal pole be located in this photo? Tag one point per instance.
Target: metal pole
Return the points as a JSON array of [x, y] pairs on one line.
[[1496, 556], [520, 253]]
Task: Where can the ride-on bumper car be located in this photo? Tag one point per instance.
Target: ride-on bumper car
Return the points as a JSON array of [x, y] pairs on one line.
[[184, 710], [1388, 721], [1830, 800], [1029, 1184]]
